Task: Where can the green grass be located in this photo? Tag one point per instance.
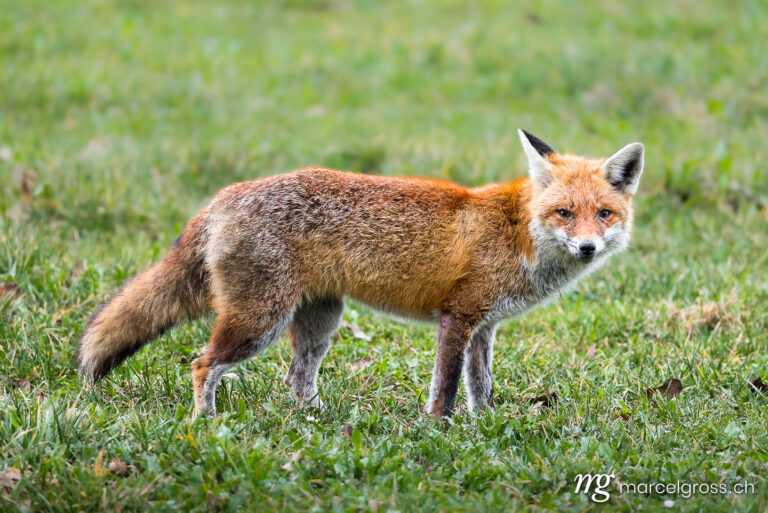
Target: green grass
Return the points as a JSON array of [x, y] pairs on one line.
[[119, 119]]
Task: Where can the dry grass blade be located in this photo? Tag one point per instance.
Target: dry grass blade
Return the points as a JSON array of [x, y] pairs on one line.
[[708, 315], [356, 331]]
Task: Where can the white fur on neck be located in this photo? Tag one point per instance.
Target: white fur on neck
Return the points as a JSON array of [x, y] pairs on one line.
[[552, 273]]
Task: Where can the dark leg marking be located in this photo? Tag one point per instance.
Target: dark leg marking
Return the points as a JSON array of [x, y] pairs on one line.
[[453, 340]]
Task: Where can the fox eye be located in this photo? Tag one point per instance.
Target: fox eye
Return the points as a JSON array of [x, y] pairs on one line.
[[604, 213], [565, 214]]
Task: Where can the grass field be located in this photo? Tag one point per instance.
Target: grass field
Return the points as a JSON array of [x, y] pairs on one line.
[[118, 120]]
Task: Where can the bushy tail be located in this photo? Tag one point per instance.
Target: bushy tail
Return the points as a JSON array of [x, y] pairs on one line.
[[174, 290]]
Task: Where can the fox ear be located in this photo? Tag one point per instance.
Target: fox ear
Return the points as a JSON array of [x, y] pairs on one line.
[[537, 150], [623, 168]]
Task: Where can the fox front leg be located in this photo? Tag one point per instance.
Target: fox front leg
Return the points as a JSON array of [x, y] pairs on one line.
[[478, 369], [452, 342]]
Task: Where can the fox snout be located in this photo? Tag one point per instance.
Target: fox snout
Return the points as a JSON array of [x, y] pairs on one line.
[[584, 249], [587, 249]]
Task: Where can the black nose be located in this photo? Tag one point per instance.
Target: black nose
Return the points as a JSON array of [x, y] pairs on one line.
[[587, 249]]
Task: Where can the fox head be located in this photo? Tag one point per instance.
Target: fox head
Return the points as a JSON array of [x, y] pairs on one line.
[[581, 207]]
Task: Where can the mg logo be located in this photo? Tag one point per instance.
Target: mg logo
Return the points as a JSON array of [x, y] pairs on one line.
[[601, 482]]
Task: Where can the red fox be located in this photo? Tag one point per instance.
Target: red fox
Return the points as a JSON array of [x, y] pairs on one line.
[[283, 252]]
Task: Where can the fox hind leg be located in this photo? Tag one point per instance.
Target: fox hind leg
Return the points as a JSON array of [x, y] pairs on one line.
[[255, 299], [234, 339], [314, 321]]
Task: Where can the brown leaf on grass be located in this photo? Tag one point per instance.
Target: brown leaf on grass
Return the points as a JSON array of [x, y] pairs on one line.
[[25, 184], [23, 384], [669, 389], [9, 478], [547, 399], [756, 385], [621, 414], [362, 363], [591, 350], [9, 290], [212, 501], [119, 468], [347, 430], [56, 319], [356, 331], [77, 269], [532, 17], [421, 460]]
